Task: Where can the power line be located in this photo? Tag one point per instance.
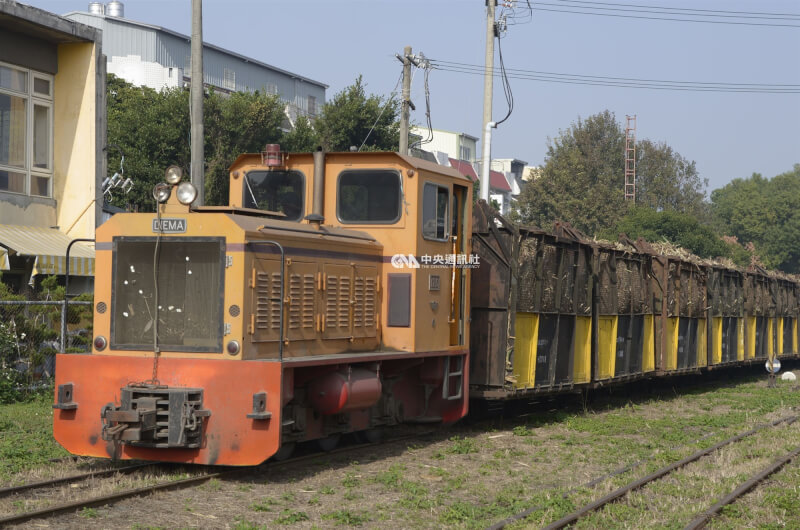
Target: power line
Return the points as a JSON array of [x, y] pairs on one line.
[[712, 12], [577, 10], [452, 64], [708, 87]]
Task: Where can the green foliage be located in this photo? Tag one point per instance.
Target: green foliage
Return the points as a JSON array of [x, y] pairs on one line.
[[678, 228], [582, 181], [302, 138], [764, 212], [291, 517], [462, 446], [347, 518], [27, 434], [348, 119], [240, 123], [667, 181], [152, 129]]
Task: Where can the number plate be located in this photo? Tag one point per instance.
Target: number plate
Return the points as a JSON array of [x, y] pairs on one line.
[[170, 225]]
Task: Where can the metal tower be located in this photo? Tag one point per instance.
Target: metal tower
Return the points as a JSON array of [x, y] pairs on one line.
[[630, 158]]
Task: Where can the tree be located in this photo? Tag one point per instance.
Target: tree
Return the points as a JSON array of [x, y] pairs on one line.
[[302, 138], [667, 181], [352, 118], [681, 229], [583, 178], [240, 123], [152, 130], [763, 212]]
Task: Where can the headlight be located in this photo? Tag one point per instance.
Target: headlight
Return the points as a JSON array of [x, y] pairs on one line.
[[187, 193], [173, 174], [100, 343], [161, 192]]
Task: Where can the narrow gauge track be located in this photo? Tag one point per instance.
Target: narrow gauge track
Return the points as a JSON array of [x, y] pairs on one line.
[[15, 490], [168, 485], [702, 519]]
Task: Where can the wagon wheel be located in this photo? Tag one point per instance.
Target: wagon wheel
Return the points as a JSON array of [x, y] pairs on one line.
[[284, 452], [328, 443], [370, 436]]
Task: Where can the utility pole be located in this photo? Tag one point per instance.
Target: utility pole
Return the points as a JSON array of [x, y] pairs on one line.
[[488, 85], [405, 113], [197, 156]]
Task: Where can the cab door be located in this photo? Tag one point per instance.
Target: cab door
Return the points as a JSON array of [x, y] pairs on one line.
[[458, 280]]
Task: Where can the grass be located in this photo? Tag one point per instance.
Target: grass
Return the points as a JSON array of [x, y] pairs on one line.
[[474, 475], [27, 435]]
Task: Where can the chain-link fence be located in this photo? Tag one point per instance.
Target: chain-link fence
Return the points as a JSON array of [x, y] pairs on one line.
[[31, 333]]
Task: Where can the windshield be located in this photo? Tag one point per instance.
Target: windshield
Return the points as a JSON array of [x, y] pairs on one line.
[[275, 191]]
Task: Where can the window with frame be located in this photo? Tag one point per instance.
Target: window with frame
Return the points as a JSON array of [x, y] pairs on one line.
[[229, 79], [275, 191], [435, 203], [26, 131], [368, 196]]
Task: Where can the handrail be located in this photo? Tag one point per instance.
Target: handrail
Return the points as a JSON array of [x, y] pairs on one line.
[[66, 295]]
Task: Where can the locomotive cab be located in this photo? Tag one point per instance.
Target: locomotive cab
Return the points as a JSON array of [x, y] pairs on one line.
[[328, 296]]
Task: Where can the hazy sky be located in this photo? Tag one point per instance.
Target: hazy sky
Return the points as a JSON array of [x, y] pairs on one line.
[[729, 135]]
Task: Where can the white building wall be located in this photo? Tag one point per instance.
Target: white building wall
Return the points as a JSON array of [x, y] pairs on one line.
[[442, 141], [139, 72]]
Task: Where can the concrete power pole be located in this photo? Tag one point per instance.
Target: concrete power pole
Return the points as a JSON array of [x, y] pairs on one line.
[[198, 156], [488, 86], [405, 113]]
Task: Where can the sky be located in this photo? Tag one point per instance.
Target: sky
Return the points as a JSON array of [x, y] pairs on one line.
[[728, 135]]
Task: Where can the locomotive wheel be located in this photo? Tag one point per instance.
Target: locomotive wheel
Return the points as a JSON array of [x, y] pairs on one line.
[[370, 436], [284, 452], [328, 443]]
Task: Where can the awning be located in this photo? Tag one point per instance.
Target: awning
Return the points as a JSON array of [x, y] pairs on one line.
[[3, 259], [48, 247]]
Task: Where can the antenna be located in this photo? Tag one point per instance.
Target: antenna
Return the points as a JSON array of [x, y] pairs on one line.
[[630, 158]]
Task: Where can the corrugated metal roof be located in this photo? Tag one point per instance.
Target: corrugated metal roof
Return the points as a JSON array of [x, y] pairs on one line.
[[205, 44]]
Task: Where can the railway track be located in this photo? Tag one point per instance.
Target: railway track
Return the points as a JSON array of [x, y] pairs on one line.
[[701, 520], [167, 485]]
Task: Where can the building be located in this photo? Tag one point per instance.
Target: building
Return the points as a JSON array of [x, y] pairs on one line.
[[459, 150], [157, 57], [513, 170], [460, 146], [52, 134]]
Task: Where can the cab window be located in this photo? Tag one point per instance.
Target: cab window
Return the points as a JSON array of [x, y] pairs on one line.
[[435, 201], [370, 196], [275, 191]]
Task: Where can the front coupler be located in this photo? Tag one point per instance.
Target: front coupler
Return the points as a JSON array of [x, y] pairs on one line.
[[156, 416]]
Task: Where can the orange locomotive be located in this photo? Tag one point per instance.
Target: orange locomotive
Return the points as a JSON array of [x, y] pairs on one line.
[[223, 335]]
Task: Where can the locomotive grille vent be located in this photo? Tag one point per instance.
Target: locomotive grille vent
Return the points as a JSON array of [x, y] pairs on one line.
[[268, 303], [337, 303], [301, 310], [364, 307]]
